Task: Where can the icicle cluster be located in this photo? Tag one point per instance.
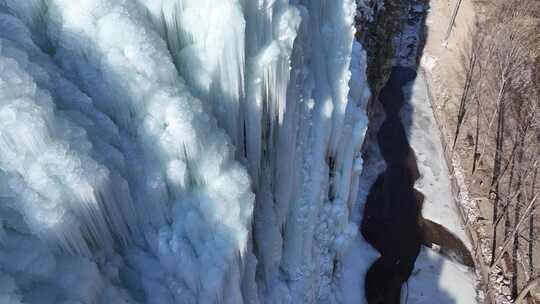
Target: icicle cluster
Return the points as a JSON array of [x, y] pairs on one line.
[[123, 125], [278, 82]]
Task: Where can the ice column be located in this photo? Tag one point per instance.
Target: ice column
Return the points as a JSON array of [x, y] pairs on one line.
[[276, 74]]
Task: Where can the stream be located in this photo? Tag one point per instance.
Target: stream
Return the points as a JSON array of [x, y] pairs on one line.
[[393, 207]]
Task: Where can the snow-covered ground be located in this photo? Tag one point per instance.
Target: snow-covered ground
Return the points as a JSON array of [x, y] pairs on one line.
[[435, 277]]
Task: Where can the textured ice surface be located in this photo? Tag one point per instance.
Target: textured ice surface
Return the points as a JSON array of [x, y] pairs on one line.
[[177, 151]]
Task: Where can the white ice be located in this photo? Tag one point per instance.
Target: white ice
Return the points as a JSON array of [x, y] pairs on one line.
[[178, 151]]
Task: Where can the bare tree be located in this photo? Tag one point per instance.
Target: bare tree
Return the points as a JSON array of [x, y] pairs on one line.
[[502, 73]]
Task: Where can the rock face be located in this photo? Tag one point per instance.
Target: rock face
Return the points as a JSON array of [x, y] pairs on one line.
[[377, 32]]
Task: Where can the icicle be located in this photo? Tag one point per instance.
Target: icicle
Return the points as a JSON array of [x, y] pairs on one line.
[[123, 126]]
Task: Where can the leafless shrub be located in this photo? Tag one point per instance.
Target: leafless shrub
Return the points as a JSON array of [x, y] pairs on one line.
[[500, 106]]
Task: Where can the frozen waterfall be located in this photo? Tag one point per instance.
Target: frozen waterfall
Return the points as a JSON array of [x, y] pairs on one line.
[[178, 151]]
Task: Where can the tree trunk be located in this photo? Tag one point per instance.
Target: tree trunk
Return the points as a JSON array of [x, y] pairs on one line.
[[517, 210], [514, 232], [476, 135], [494, 188], [531, 228], [452, 21], [465, 97]]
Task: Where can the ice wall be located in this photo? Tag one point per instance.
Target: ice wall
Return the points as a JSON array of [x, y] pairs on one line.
[[123, 124], [278, 82], [104, 149]]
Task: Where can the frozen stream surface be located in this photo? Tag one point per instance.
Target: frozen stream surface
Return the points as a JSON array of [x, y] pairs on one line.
[[435, 278]]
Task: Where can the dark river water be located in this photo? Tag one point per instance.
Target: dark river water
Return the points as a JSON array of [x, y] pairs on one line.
[[392, 220], [393, 208]]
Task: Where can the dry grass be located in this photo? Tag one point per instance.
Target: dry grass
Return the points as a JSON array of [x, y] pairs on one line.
[[497, 131], [487, 81]]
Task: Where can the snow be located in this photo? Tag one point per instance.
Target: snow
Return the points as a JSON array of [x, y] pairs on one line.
[[434, 277], [358, 259]]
